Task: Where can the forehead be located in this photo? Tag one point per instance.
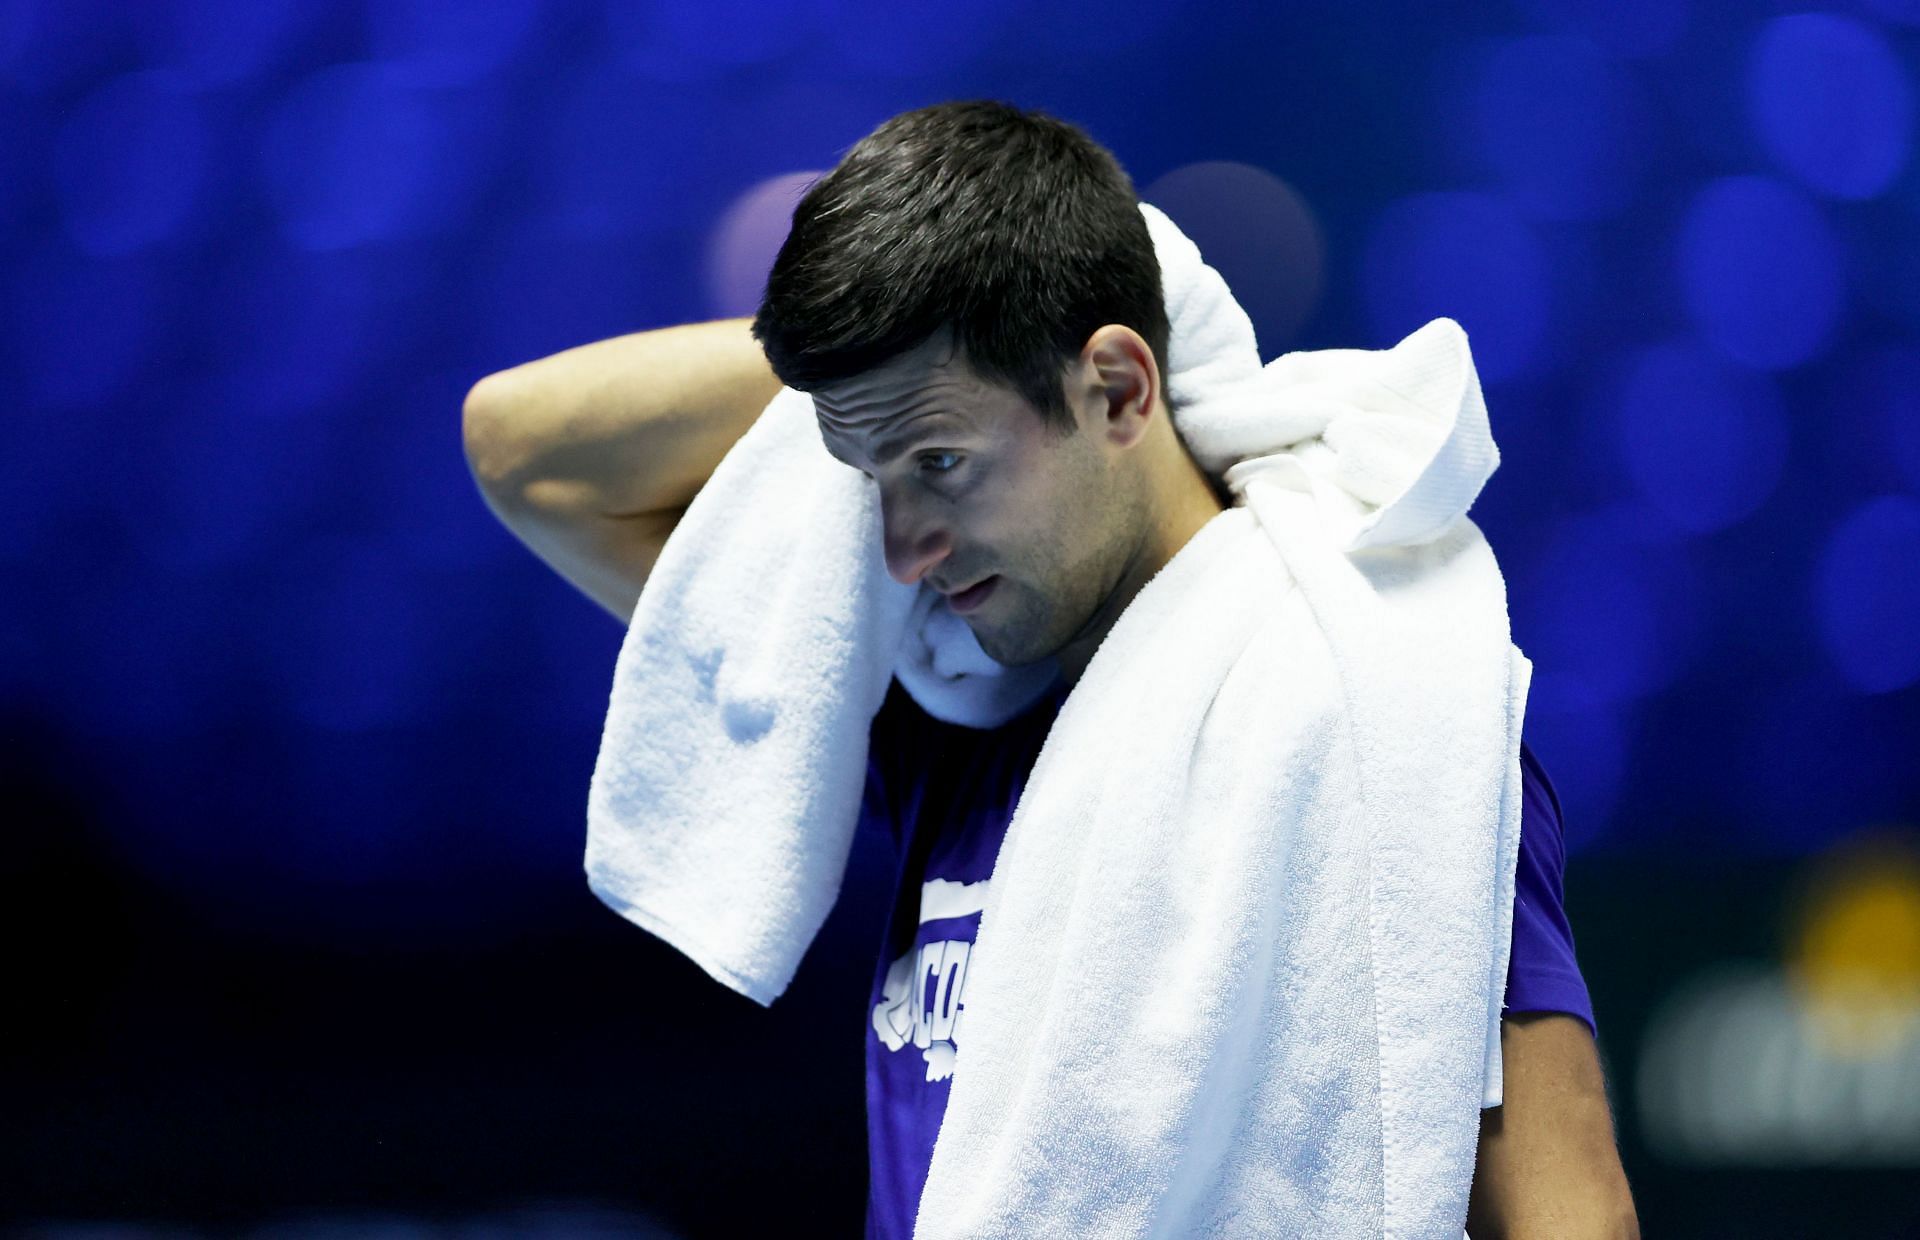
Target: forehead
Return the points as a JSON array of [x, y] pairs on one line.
[[930, 377]]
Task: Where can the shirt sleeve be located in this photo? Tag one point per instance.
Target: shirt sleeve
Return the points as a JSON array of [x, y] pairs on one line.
[[1543, 974]]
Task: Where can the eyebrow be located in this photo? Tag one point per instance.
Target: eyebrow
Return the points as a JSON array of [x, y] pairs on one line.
[[901, 440]]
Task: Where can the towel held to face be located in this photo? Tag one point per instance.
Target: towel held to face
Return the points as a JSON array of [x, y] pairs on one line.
[[1240, 966]]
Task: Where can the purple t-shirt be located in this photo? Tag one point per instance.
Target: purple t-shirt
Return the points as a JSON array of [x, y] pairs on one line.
[[945, 794]]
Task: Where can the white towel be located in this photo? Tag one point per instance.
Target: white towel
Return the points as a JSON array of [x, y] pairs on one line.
[[1242, 958]]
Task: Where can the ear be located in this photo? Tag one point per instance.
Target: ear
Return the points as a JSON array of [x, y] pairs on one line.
[[1120, 372]]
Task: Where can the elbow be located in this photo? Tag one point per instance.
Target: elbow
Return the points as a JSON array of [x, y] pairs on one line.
[[506, 456], [481, 435]]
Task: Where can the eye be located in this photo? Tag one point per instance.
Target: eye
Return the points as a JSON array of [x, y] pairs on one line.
[[926, 456]]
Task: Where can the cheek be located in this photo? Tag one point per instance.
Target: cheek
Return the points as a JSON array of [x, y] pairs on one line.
[[1053, 486]]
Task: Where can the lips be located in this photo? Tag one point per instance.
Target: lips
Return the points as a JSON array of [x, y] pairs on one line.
[[971, 597]]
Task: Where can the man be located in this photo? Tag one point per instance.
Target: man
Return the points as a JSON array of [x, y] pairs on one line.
[[971, 297]]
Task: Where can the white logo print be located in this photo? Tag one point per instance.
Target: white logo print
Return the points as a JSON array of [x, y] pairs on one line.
[[921, 997]]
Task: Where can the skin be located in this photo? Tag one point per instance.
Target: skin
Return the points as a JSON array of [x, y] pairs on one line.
[[1073, 527], [1547, 1164]]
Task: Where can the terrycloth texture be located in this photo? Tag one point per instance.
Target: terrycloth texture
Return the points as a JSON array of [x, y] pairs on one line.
[[1241, 959]]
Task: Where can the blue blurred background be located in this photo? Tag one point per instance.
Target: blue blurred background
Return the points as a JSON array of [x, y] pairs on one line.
[[296, 738]]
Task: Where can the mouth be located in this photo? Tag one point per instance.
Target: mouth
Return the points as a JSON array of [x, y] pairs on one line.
[[974, 595]]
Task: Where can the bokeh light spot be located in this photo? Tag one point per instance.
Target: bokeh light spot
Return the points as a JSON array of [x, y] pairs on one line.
[[1854, 960], [746, 241], [1867, 595], [1760, 272], [1259, 233], [1467, 256], [1704, 440], [1831, 103]]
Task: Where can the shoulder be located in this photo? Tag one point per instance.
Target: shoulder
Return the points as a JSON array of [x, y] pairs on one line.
[[1536, 784]]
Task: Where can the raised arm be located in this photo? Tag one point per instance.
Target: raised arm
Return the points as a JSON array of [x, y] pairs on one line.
[[590, 456]]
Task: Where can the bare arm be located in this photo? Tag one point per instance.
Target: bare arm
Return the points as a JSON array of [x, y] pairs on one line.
[[1547, 1164], [591, 455]]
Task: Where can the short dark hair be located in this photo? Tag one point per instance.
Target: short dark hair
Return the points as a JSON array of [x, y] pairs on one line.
[[1013, 228]]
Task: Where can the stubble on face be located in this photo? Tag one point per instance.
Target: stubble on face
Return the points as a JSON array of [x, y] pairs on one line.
[[1069, 525], [1066, 593]]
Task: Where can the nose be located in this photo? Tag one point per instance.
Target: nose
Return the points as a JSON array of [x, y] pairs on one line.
[[914, 547]]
